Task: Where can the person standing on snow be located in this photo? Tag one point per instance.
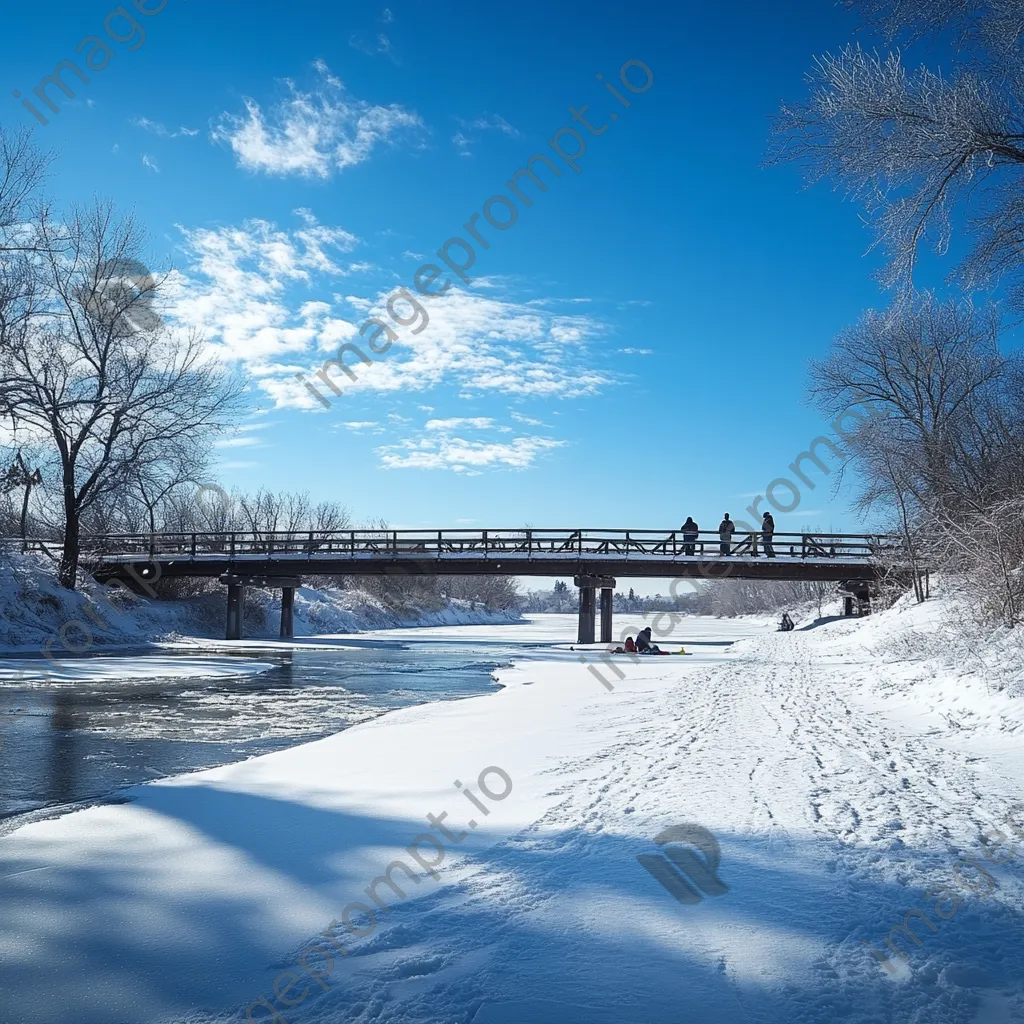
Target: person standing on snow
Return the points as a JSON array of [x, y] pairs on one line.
[[690, 530], [767, 532], [726, 528]]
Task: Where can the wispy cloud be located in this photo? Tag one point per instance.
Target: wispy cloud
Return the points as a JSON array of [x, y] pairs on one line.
[[373, 44], [156, 128], [148, 161], [636, 351], [313, 134], [470, 131], [520, 418]]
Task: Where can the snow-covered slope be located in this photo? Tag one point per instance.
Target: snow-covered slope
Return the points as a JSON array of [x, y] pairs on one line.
[[36, 612], [855, 798]]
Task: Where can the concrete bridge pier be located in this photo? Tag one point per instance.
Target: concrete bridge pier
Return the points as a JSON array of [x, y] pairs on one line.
[[236, 610], [236, 601], [585, 634], [287, 612], [589, 585], [607, 597]]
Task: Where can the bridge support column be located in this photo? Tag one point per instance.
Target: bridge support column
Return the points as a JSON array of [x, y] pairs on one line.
[[236, 604], [287, 612], [587, 617], [589, 585], [607, 596]]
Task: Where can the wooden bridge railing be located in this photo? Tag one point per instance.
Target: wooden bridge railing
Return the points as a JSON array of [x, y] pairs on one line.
[[439, 544]]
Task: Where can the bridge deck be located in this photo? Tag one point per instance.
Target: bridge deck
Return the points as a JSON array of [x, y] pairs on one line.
[[521, 552]]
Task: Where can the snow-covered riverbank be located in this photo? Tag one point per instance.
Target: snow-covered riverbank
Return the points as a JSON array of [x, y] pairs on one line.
[[38, 616], [842, 786]]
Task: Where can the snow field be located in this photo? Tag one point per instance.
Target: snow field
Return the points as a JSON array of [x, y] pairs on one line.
[[843, 787]]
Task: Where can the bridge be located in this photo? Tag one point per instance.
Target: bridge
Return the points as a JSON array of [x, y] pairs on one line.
[[595, 559]]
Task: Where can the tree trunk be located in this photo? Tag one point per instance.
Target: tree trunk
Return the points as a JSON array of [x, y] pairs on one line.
[[68, 572], [24, 518]]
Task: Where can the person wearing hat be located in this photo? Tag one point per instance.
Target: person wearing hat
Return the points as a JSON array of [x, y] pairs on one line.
[[767, 532], [690, 530], [726, 528]]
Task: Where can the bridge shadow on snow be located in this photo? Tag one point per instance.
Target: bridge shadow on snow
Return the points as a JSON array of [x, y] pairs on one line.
[[591, 937]]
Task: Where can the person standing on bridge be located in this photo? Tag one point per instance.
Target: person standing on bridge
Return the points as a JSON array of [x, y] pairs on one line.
[[690, 530], [767, 532], [726, 528]]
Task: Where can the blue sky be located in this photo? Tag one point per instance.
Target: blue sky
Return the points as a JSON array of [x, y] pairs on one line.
[[632, 350]]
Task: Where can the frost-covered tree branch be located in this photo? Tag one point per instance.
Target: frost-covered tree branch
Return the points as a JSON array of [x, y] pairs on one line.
[[926, 152]]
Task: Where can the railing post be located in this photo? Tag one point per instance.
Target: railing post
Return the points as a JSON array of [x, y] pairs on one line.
[[484, 534], [310, 543], [232, 552], [352, 540], [394, 543], [193, 546], [529, 543], [753, 544]]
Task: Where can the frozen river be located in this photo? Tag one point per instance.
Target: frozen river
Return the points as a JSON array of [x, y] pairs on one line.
[[115, 720]]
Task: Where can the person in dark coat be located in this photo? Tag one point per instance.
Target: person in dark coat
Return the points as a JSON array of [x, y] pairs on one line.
[[643, 642], [726, 528], [690, 530], [767, 532]]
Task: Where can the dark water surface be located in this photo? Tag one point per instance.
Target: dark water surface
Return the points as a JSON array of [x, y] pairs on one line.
[[73, 741]]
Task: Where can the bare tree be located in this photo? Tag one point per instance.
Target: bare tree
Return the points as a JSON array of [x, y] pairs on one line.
[[112, 398], [949, 435], [946, 461], [22, 171], [913, 145]]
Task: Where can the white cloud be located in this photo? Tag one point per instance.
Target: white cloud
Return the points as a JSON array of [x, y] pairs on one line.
[[267, 297], [312, 134], [358, 425], [233, 289], [462, 456], [148, 161], [485, 345], [636, 351], [238, 442], [478, 422]]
